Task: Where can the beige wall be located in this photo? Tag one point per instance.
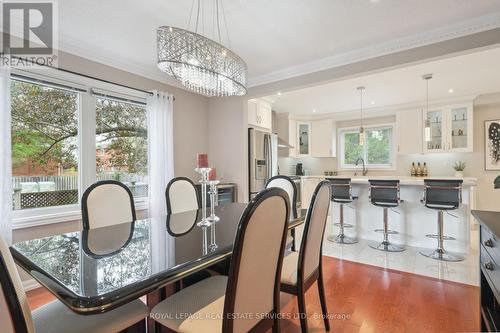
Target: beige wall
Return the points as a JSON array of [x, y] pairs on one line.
[[228, 141]]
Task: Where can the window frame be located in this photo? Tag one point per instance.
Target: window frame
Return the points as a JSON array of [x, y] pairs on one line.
[[345, 130], [86, 115]]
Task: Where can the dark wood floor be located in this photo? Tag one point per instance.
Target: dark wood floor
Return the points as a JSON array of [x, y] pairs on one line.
[[371, 299]]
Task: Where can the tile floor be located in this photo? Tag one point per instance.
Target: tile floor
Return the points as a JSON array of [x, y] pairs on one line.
[[410, 260]]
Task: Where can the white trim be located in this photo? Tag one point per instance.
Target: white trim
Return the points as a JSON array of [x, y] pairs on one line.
[[469, 27], [352, 129]]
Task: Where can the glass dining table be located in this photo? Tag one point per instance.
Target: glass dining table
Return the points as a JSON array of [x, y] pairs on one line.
[[94, 271]]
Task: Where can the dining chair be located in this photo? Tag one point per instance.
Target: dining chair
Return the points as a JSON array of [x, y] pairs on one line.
[[236, 303], [105, 203], [287, 184], [301, 269], [55, 317], [181, 195]]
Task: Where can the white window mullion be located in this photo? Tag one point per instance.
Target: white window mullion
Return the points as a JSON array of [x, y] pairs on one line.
[[86, 141]]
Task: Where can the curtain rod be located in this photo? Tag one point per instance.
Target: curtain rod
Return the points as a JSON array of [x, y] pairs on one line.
[[87, 76]]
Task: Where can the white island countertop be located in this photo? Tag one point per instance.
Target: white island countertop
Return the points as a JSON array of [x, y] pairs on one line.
[[404, 180]]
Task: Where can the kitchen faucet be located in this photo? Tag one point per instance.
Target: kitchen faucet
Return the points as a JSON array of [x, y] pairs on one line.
[[365, 170]]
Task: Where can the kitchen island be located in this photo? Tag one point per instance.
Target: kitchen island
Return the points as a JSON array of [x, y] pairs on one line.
[[412, 220]]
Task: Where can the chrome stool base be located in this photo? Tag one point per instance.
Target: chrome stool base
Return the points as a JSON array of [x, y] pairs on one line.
[[387, 247], [440, 254], [342, 239]]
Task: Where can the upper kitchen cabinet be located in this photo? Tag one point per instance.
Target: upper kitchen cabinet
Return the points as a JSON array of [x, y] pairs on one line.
[[323, 138], [448, 129], [259, 114], [303, 138], [409, 131]]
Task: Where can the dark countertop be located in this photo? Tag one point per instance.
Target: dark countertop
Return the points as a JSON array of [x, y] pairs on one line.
[[489, 219]]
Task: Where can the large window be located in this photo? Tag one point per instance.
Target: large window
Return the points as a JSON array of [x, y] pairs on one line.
[[44, 145], [121, 144], [51, 117], [377, 152]]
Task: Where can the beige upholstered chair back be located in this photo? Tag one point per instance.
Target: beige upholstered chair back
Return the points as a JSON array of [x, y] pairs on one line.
[[181, 195], [312, 239], [107, 203], [254, 276], [15, 315], [287, 184]]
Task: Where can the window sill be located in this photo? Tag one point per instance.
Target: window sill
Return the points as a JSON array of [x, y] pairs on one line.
[[45, 216]]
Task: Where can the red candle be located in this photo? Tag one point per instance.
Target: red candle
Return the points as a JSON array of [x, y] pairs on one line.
[[212, 175], [202, 160]]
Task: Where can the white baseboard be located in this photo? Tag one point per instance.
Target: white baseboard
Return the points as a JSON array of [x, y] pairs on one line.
[[30, 284]]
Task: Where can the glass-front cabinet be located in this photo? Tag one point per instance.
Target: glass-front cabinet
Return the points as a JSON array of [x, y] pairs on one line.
[[448, 129], [303, 138], [434, 131]]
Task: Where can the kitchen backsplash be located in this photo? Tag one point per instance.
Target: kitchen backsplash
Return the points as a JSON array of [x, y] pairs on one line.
[[438, 164]]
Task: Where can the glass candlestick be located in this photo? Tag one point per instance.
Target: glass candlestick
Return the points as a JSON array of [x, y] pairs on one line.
[[213, 244], [205, 222], [213, 193]]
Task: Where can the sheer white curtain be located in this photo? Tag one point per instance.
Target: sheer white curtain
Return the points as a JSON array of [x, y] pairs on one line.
[[160, 149], [5, 157]]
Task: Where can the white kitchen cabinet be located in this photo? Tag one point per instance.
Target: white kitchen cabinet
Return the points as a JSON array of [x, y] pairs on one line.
[[307, 187], [323, 138], [450, 129], [259, 114], [303, 138], [409, 131]]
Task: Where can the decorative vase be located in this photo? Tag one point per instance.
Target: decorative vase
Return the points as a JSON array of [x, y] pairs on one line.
[[459, 174]]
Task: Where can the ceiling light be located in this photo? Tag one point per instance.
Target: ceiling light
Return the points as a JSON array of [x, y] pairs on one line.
[[279, 93], [314, 110], [450, 91], [373, 102], [199, 63]]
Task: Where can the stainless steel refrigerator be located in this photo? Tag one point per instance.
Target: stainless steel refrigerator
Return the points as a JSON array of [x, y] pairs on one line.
[[262, 159]]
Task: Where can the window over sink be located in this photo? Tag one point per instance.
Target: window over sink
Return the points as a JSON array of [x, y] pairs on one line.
[[377, 152]]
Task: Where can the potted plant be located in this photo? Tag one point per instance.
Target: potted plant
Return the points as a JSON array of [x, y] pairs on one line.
[[459, 169]]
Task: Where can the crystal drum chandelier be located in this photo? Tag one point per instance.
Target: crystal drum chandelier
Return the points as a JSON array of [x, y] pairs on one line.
[[199, 63]]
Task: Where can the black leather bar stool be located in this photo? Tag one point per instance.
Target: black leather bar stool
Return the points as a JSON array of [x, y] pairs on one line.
[[442, 195], [385, 194], [341, 194]]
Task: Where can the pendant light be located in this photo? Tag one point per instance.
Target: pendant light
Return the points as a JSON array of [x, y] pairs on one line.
[[199, 63], [427, 129], [361, 129]]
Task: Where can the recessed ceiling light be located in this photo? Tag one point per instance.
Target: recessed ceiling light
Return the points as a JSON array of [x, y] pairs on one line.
[[373, 102], [450, 91], [314, 110], [279, 93]]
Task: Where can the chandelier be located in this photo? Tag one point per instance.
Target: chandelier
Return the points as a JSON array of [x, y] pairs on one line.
[[201, 64]]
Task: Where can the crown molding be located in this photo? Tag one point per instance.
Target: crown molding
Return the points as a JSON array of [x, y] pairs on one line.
[[469, 27], [472, 26]]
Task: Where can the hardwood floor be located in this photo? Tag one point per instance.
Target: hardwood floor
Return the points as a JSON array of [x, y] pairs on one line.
[[372, 299]]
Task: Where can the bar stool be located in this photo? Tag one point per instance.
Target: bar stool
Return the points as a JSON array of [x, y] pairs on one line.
[[385, 194], [442, 195], [341, 194]]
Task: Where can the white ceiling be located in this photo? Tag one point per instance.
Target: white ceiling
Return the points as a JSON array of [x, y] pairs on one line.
[[467, 75], [277, 38]]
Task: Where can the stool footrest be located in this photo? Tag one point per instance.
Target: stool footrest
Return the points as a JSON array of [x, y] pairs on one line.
[[346, 225], [389, 232], [437, 237]]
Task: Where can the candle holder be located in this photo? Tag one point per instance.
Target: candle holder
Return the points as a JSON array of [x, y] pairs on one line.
[[213, 192], [205, 222], [213, 244]]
